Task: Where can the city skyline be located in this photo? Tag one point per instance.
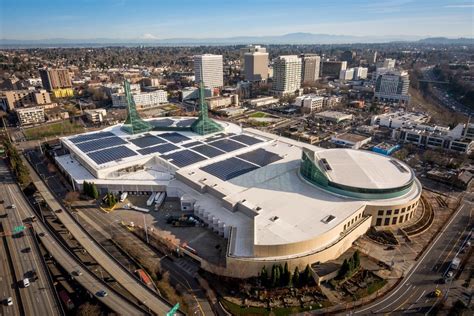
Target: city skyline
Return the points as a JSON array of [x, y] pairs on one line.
[[143, 20]]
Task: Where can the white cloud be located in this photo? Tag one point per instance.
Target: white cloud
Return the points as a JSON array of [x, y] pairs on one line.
[[149, 36]]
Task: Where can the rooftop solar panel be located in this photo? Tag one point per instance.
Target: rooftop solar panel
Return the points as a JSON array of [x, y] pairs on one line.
[[87, 137], [246, 139], [208, 151], [218, 136], [163, 148], [147, 140], [184, 123], [111, 154], [260, 157], [227, 145], [229, 168], [100, 143], [162, 123], [183, 158], [174, 137], [191, 144]]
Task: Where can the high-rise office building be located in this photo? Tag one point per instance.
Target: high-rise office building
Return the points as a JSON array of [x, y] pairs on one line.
[[310, 67], [389, 63], [286, 74], [360, 73], [333, 68], [249, 49], [392, 86], [256, 65], [346, 74], [208, 69]]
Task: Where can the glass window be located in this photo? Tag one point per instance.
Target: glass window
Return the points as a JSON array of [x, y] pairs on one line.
[[401, 219], [396, 211], [394, 220], [403, 210], [380, 212], [409, 207], [406, 217], [387, 222], [379, 222], [389, 212], [344, 227]]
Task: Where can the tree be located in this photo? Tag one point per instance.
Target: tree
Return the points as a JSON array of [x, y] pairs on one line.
[[264, 276], [286, 275], [274, 276], [356, 257], [306, 277], [86, 188], [94, 191], [344, 269], [296, 277]]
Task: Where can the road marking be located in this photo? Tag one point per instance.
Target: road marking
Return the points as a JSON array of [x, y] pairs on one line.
[[405, 301], [417, 265], [395, 300]]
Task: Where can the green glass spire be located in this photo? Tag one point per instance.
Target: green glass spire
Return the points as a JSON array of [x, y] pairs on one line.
[[133, 124], [204, 125]]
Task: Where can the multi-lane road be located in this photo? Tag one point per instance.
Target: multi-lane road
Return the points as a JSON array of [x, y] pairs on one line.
[[39, 297], [414, 293], [143, 294]]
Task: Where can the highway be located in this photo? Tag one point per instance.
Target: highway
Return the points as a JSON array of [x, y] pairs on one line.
[[413, 294], [39, 298], [146, 296], [8, 282]]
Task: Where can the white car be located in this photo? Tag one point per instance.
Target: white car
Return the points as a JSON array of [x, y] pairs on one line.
[[13, 206], [10, 301], [26, 282]]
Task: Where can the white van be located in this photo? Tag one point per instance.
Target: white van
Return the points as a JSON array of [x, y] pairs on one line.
[[26, 282]]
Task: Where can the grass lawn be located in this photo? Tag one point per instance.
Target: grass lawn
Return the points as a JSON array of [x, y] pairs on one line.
[[235, 309], [55, 129], [258, 115]]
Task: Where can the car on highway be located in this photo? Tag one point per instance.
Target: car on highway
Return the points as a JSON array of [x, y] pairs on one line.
[[58, 211], [77, 273], [26, 250], [26, 282], [450, 275], [436, 293], [13, 206], [9, 301], [101, 293]]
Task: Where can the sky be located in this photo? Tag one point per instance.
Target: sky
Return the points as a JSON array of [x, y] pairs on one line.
[[162, 19]]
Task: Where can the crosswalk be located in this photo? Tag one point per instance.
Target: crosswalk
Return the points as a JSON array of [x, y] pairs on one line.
[[189, 267]]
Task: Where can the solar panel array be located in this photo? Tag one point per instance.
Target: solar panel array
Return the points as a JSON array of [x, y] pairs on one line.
[[162, 123], [248, 140], [147, 140], [100, 143], [184, 123], [87, 137], [111, 154], [163, 148], [229, 168], [218, 136], [227, 145], [191, 144], [208, 151], [260, 157], [183, 158], [174, 137]]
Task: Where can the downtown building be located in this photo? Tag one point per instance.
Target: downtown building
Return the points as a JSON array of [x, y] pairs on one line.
[[286, 74], [208, 68], [333, 68], [392, 86], [57, 81], [143, 100], [310, 67], [255, 64]]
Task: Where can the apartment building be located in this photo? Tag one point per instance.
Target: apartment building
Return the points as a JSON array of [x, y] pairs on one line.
[[392, 87], [286, 74], [12, 99], [143, 100], [30, 115], [208, 68], [310, 67]]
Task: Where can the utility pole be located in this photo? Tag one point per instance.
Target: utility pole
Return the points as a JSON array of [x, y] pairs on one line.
[[146, 229]]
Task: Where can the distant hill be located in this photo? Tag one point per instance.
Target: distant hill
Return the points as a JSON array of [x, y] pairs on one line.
[[445, 40], [291, 38]]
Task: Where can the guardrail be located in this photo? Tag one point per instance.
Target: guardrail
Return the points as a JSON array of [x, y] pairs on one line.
[[72, 218], [66, 248]]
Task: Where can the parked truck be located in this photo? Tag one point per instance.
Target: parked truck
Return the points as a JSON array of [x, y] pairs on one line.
[[123, 196]]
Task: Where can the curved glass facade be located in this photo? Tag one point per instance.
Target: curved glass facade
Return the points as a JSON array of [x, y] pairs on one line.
[[312, 173]]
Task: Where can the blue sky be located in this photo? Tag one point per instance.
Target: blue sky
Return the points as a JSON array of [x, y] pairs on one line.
[[127, 19]]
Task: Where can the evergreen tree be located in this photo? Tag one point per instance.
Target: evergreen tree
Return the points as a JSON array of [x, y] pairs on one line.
[[286, 275], [356, 259], [307, 275], [274, 276], [264, 276], [94, 191], [281, 275], [296, 277], [344, 269], [86, 188]]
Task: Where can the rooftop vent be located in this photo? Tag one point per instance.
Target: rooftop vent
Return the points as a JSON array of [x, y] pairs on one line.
[[274, 218], [328, 219], [326, 164]]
